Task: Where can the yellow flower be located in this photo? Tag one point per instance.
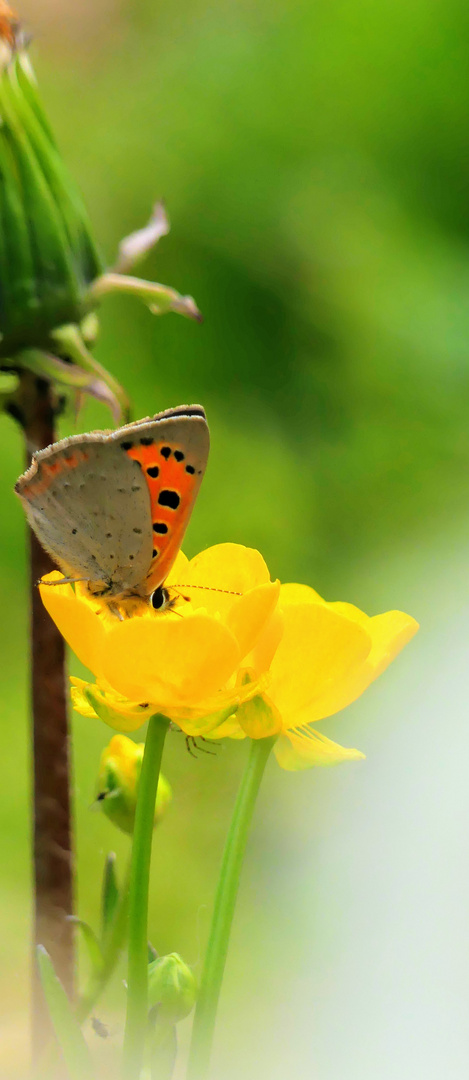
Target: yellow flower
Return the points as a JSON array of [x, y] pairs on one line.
[[119, 772], [247, 657], [320, 657], [182, 662]]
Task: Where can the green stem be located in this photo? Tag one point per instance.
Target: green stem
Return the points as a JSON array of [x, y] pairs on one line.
[[225, 902], [137, 978]]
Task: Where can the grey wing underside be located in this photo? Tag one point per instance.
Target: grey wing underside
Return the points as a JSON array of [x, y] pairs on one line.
[[94, 517]]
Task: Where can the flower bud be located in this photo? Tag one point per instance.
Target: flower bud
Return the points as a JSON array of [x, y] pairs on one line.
[[52, 277], [48, 257], [172, 988], [119, 772]]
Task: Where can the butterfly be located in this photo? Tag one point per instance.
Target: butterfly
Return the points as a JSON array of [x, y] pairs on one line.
[[112, 507]]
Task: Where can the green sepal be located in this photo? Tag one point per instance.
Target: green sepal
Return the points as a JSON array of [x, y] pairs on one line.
[[205, 725], [68, 1032], [113, 717], [259, 718]]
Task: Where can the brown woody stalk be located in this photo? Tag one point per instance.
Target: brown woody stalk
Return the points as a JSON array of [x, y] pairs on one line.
[[52, 829]]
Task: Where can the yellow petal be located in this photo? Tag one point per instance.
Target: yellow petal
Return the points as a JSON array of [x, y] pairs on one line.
[[350, 611], [304, 747], [267, 643], [215, 577], [291, 593], [229, 730], [77, 622], [55, 580], [389, 633], [249, 613], [170, 661], [319, 649], [178, 569]]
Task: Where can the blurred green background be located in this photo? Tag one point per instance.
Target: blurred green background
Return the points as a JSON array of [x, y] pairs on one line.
[[314, 158]]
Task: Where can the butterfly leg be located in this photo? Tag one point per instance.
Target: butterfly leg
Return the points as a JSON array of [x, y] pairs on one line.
[[192, 744], [61, 581]]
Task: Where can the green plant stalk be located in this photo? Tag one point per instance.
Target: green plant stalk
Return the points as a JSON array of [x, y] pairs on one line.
[[225, 903], [137, 978]]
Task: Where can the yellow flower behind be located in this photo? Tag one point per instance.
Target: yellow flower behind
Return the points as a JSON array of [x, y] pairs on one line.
[[182, 662], [319, 657]]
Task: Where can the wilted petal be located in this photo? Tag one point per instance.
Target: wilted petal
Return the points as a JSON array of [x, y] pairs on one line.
[[70, 375], [159, 298], [135, 246]]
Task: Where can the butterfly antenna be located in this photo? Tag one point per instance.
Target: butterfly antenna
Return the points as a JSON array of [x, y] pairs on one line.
[[210, 588]]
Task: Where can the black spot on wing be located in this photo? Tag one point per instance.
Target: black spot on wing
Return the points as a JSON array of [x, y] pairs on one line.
[[169, 498]]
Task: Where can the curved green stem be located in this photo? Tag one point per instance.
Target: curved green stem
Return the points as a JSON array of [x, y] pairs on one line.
[[225, 902], [137, 978]]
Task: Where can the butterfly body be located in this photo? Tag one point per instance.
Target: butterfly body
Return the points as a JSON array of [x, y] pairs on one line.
[[112, 507]]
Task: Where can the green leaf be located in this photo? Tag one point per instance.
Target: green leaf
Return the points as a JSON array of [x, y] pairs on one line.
[[75, 1051], [93, 946], [109, 895]]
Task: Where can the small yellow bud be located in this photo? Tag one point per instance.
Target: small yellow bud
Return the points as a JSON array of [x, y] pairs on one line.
[[119, 773], [172, 988]]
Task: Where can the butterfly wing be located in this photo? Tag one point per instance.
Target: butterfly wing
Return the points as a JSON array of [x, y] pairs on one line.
[[172, 451], [90, 508], [112, 507]]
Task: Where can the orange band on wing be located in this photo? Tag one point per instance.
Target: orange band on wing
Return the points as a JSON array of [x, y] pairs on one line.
[[173, 483]]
